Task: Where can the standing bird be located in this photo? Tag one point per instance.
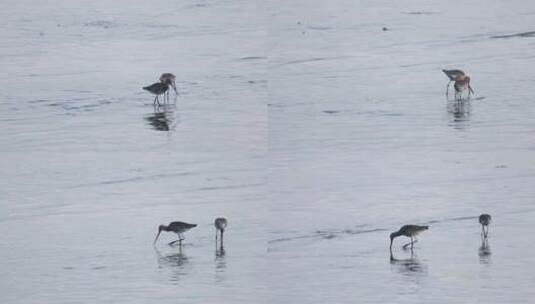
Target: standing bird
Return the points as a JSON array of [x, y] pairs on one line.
[[169, 79], [176, 227], [220, 224], [409, 231], [461, 82], [157, 89], [484, 220]]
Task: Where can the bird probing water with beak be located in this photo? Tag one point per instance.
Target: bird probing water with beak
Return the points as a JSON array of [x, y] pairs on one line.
[[484, 220], [461, 82], [170, 79], [176, 227], [220, 224], [409, 231]]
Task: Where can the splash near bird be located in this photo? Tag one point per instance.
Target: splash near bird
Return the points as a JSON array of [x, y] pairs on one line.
[[409, 231], [176, 227], [461, 82], [484, 220], [220, 224]]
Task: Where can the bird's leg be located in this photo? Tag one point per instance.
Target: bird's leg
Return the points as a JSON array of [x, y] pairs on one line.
[[409, 243], [448, 88], [222, 238], [173, 242], [216, 231], [155, 98]]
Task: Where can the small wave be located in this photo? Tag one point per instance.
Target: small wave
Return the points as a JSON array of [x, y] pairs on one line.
[[420, 13], [453, 219], [230, 187], [254, 58], [130, 179], [101, 24], [326, 234], [522, 35], [319, 28]]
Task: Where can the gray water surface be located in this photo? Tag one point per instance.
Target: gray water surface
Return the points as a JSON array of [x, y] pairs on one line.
[[315, 132]]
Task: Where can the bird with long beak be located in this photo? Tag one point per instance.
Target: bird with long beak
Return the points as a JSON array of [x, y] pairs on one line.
[[170, 79], [409, 231], [461, 85], [461, 81], [176, 227], [220, 224]]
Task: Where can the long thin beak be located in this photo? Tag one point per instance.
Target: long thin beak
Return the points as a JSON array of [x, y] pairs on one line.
[[156, 237]]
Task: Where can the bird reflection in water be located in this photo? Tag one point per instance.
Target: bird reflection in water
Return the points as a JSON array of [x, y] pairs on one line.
[[409, 265], [220, 263], [460, 112], [176, 262], [163, 118], [220, 251], [484, 251]]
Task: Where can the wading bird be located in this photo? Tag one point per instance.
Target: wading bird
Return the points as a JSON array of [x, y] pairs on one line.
[[409, 231], [461, 82], [157, 89], [169, 79], [176, 227], [220, 224], [484, 220]]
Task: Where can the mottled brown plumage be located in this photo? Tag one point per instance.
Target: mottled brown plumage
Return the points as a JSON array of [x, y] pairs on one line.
[[461, 82]]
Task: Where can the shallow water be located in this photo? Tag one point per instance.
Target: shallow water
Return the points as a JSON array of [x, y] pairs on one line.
[[315, 132]]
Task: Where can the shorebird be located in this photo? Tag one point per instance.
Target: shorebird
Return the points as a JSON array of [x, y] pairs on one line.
[[461, 82], [176, 227], [484, 220], [220, 224], [169, 79], [157, 89], [409, 231]]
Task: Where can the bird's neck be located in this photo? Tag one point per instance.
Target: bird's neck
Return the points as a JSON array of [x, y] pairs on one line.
[[396, 234]]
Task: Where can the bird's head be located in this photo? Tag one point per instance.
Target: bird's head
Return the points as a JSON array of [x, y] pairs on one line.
[[160, 228]]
